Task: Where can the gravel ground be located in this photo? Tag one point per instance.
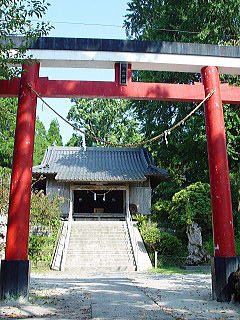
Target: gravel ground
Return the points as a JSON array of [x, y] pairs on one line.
[[186, 296], [50, 298], [122, 296]]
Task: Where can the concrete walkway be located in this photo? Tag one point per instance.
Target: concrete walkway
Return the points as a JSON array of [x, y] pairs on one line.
[[116, 297], [119, 296], [107, 296]]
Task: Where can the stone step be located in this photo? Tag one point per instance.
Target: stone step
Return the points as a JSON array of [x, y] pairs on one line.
[[98, 223], [104, 243], [98, 235], [101, 227], [94, 262], [101, 268], [100, 256], [100, 250], [99, 245], [98, 241], [92, 232], [94, 227], [88, 266], [101, 253]]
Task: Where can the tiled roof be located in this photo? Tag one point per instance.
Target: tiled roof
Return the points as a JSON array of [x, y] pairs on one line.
[[99, 164]]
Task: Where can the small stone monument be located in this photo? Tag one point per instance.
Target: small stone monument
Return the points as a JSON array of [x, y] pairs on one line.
[[197, 254]]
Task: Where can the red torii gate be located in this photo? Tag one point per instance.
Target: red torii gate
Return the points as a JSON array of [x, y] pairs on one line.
[[15, 267]]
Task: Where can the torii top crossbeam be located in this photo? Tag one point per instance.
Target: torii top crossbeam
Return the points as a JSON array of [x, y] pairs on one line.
[[139, 55], [142, 55]]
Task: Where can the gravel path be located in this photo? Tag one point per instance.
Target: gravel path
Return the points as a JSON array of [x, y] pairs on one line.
[[120, 296]]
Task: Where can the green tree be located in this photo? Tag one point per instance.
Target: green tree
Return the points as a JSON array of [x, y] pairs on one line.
[[74, 141], [107, 119], [19, 18], [192, 204], [205, 21], [8, 109], [40, 142], [5, 175], [201, 21], [53, 134]]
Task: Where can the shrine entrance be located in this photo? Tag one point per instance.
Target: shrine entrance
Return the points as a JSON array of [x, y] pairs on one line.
[[96, 204], [123, 56]]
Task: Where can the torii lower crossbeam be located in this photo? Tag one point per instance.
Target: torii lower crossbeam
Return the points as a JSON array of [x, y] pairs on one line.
[[132, 91]]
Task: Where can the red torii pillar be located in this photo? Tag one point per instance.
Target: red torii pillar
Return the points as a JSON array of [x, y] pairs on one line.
[[15, 267], [225, 261]]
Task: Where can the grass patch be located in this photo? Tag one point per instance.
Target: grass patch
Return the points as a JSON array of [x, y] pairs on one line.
[[176, 270], [170, 270], [40, 266]]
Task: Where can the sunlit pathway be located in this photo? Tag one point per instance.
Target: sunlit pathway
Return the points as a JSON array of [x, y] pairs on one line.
[[116, 297], [120, 296], [98, 296]]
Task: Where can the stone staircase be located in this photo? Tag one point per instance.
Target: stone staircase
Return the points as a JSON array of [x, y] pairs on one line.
[[99, 246]]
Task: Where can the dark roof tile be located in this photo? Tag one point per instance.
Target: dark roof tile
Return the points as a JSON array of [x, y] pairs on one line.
[[98, 164]]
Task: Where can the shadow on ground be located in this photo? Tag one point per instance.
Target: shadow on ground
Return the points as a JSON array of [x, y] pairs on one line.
[[121, 297]]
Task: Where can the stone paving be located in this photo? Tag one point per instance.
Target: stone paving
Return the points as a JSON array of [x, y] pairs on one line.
[[120, 296]]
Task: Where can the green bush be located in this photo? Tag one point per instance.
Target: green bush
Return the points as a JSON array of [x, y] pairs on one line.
[[160, 212], [171, 261], [235, 192], [140, 218], [41, 247], [237, 245], [45, 210], [208, 245], [5, 174], [161, 241], [192, 204], [169, 244], [150, 234], [45, 213]]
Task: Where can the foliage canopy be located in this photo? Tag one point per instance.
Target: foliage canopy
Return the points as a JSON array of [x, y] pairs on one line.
[[108, 119], [17, 18], [204, 21]]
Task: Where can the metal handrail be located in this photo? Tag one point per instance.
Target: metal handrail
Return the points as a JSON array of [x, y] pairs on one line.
[[57, 249], [132, 237], [66, 242]]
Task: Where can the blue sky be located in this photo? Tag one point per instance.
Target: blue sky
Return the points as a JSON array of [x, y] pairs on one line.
[[76, 19]]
